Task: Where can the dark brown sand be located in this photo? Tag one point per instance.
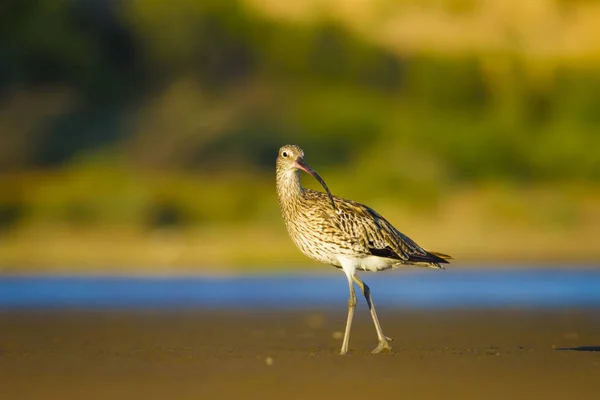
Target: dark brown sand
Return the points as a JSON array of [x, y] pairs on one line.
[[293, 355]]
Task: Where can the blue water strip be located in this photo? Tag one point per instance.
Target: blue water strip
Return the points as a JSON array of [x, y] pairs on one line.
[[552, 288]]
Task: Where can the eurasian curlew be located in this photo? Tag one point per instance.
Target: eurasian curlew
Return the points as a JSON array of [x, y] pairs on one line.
[[343, 233]]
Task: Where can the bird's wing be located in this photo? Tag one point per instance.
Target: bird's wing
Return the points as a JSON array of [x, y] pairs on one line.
[[378, 236], [369, 233]]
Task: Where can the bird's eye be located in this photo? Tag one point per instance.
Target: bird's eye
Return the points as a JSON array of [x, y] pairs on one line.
[[284, 154]]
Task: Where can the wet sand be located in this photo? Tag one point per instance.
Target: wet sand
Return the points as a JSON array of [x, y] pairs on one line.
[[233, 354]]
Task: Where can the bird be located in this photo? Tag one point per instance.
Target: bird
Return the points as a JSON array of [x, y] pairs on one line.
[[345, 234]]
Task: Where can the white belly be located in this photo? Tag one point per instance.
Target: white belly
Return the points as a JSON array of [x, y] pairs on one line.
[[374, 263], [369, 263]]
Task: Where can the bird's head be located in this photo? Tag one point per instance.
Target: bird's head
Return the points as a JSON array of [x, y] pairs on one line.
[[291, 159]]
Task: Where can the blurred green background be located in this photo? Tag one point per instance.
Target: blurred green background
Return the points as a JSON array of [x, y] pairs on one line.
[[140, 135]]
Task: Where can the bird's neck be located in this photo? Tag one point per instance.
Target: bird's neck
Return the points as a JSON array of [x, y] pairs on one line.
[[289, 190]]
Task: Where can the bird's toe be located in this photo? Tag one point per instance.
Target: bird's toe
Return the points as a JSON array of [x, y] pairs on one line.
[[383, 346]]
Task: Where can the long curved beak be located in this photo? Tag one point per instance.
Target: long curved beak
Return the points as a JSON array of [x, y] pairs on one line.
[[299, 163]]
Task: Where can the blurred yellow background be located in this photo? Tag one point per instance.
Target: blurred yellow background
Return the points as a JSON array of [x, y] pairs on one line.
[[140, 136]]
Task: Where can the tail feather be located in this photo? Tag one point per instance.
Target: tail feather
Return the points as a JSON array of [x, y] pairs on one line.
[[434, 259], [441, 255], [429, 257]]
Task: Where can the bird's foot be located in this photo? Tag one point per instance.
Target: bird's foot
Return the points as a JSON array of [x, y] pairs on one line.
[[383, 346], [344, 350]]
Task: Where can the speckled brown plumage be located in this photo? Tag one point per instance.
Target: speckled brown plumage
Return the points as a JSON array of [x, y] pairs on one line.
[[343, 233], [352, 229]]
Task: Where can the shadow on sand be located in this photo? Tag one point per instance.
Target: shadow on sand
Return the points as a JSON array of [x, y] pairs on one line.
[[580, 348]]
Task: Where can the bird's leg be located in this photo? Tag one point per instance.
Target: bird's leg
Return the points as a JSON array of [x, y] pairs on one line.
[[351, 307], [383, 340]]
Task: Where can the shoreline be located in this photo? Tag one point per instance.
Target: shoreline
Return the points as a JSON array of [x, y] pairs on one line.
[[232, 271]]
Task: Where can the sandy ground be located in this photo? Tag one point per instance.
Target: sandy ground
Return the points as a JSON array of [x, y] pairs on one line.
[[198, 354]]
